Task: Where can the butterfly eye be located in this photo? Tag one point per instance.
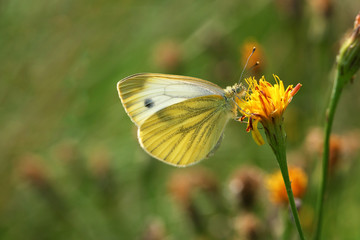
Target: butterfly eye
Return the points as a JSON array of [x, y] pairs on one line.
[[148, 103]]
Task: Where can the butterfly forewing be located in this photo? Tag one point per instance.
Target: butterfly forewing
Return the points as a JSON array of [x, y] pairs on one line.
[[186, 132], [145, 94]]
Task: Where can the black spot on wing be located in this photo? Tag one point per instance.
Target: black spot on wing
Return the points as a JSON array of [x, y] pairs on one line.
[[149, 103]]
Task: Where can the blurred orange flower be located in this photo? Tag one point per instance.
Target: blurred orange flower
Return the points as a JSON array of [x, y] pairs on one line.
[[276, 186]]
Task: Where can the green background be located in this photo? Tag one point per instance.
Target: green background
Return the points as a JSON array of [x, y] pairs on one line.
[[71, 166]]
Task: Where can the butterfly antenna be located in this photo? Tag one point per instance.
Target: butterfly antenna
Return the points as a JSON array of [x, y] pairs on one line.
[[247, 61]]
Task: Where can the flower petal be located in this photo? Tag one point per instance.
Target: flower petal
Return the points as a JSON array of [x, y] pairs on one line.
[[256, 134]]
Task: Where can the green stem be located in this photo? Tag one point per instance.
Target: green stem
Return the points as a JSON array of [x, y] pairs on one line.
[[330, 113], [276, 137], [285, 174]]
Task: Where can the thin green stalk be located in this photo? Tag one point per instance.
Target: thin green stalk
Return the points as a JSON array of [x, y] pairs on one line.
[[348, 63], [285, 174], [330, 113], [276, 136]]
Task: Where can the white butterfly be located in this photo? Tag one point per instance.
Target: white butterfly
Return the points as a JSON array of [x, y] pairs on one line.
[[180, 119]]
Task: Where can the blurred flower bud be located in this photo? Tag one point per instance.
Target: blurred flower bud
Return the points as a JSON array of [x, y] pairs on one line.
[[103, 176], [66, 151], [321, 7], [276, 186], [99, 160], [314, 145], [191, 189], [348, 59], [32, 170], [183, 184], [167, 55], [154, 231], [244, 185], [335, 152], [314, 140], [292, 8], [351, 143], [248, 227]]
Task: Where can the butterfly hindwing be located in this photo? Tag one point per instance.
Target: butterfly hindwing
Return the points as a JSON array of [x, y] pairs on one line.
[[145, 94], [186, 132]]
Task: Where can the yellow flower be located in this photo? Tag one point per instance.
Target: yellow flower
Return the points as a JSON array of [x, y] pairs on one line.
[[276, 186], [265, 103]]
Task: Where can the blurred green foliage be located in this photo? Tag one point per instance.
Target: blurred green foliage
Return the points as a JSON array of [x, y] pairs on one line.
[[71, 167]]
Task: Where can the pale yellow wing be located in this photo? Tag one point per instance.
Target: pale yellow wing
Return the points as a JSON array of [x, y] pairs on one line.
[[142, 95], [186, 132]]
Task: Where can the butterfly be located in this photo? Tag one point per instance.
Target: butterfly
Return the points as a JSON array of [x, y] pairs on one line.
[[180, 119]]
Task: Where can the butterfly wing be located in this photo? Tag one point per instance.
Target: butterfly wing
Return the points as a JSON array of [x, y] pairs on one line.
[[142, 95], [185, 133]]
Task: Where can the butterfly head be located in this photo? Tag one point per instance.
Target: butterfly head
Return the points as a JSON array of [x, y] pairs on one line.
[[237, 90]]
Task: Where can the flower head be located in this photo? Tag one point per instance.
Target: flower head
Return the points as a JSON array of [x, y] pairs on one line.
[[276, 186], [265, 103]]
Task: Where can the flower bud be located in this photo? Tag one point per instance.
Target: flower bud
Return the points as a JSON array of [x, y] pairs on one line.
[[349, 55]]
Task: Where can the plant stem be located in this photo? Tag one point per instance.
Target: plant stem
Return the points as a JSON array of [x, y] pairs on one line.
[[276, 137], [330, 113], [285, 174]]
